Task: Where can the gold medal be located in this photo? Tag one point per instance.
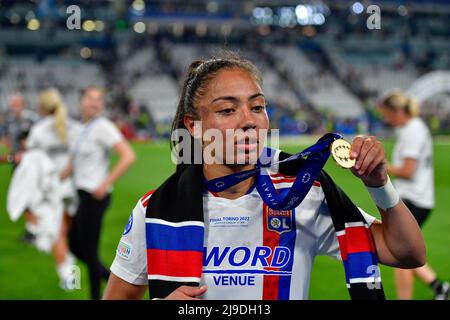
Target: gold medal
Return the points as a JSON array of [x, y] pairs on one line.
[[340, 150]]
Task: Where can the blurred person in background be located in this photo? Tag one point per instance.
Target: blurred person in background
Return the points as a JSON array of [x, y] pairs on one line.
[[2, 128], [89, 166], [53, 134], [18, 119], [412, 165], [34, 191]]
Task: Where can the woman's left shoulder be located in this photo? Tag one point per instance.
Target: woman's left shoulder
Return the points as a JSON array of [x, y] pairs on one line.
[[417, 124], [143, 201], [103, 120]]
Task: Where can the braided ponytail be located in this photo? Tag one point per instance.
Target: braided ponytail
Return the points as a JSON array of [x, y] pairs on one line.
[[397, 100]]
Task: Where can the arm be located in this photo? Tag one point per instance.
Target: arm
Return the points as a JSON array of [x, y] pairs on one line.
[[8, 141], [6, 158], [398, 239], [406, 171], [126, 159], [402, 246], [118, 289], [129, 278], [11, 158]]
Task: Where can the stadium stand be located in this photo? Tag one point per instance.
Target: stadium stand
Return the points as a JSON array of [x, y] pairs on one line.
[[315, 74]]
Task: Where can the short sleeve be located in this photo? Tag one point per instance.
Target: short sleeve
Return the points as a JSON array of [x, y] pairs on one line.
[[32, 139], [328, 242], [108, 134], [75, 131], [130, 263], [413, 141], [369, 218]]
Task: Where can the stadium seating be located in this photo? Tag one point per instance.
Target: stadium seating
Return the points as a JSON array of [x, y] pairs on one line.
[[29, 78], [324, 90]]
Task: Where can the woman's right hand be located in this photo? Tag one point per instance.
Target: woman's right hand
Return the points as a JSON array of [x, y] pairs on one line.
[[187, 293]]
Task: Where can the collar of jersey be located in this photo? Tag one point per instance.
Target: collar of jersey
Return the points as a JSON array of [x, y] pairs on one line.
[[216, 195]]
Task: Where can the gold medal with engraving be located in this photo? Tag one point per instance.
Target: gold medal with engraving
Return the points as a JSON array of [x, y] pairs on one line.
[[340, 150]]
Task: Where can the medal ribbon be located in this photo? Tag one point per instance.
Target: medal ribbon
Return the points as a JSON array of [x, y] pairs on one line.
[[314, 158]]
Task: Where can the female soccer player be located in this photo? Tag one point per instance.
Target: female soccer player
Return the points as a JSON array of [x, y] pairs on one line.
[[412, 165], [93, 181], [53, 134], [248, 250]]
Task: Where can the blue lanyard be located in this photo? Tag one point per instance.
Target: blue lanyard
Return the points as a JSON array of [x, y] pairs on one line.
[[314, 158]]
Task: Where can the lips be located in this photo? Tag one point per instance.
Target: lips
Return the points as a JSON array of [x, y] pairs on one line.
[[247, 140], [247, 144]]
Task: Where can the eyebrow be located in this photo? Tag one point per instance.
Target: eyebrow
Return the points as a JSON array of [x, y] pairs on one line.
[[234, 99]]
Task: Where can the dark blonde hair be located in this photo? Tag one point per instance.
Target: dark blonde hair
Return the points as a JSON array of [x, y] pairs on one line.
[[85, 90], [51, 102], [397, 100]]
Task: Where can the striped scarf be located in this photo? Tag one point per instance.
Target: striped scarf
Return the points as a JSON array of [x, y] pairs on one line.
[[175, 235]]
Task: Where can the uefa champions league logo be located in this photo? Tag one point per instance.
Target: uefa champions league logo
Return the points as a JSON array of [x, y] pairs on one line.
[[306, 177], [220, 184]]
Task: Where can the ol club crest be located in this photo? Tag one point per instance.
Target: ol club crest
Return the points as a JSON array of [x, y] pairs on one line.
[[279, 220]]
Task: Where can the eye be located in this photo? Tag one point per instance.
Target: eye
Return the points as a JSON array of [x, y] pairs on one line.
[[258, 108], [226, 111]]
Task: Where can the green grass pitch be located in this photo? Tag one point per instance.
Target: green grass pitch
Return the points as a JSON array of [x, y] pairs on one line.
[[27, 274]]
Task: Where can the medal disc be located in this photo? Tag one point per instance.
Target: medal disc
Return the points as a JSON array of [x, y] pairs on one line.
[[340, 150]]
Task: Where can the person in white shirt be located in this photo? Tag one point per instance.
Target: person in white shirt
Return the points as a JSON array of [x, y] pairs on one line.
[[412, 165], [227, 94], [93, 180], [34, 190], [53, 134]]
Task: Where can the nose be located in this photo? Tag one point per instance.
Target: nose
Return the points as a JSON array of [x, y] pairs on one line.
[[248, 119]]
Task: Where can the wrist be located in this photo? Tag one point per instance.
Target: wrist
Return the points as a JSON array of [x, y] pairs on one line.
[[385, 197], [391, 170], [377, 184], [105, 184], [10, 158]]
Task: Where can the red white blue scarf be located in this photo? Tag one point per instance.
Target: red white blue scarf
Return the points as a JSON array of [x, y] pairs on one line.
[[175, 235]]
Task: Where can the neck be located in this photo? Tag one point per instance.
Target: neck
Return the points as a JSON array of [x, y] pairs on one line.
[[87, 119], [212, 171], [404, 120]]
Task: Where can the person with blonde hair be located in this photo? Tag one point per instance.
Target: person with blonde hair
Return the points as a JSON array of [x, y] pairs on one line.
[[412, 165], [53, 134]]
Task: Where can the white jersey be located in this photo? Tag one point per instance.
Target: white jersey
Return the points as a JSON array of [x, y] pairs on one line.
[[43, 136], [239, 234], [91, 153], [35, 186], [414, 141]]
